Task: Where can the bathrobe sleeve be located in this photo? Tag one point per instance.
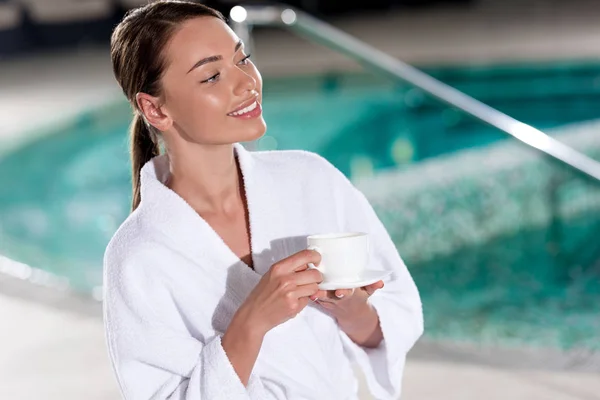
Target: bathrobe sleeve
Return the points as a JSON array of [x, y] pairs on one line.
[[152, 352], [398, 304]]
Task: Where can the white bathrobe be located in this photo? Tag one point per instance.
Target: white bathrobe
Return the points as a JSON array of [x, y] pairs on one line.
[[172, 286]]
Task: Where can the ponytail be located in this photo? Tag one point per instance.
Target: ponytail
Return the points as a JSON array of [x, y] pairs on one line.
[[137, 54], [144, 147]]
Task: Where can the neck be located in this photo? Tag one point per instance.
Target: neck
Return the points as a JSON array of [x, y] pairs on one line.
[[207, 178]]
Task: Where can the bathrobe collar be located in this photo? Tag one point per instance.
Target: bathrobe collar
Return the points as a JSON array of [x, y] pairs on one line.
[[171, 217]]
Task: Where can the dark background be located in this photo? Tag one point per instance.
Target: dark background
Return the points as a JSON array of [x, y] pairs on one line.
[[31, 32]]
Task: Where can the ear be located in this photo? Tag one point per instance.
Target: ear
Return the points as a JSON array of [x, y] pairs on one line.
[[152, 110]]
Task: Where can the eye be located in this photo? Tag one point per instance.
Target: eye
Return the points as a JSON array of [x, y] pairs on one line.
[[212, 79], [245, 60]]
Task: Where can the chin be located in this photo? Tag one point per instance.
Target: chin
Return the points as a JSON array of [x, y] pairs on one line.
[[255, 132]]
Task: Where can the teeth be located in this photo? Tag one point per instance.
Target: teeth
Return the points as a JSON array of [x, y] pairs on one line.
[[246, 110]]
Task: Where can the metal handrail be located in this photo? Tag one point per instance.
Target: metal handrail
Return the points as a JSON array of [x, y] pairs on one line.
[[244, 18]]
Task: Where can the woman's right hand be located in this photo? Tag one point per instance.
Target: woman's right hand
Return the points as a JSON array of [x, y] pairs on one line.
[[279, 296], [283, 291]]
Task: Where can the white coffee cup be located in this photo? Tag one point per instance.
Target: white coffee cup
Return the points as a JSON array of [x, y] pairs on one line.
[[344, 256]]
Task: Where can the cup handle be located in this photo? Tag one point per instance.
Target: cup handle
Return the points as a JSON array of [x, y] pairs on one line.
[[311, 265]]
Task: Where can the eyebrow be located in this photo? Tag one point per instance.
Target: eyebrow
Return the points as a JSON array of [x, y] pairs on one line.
[[210, 59]]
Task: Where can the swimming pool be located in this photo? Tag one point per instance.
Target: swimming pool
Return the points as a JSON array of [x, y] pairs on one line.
[[61, 200]]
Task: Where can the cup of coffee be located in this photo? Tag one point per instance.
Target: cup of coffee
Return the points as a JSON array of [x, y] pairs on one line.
[[344, 256]]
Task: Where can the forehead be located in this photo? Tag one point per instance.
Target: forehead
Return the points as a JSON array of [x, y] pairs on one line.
[[198, 38]]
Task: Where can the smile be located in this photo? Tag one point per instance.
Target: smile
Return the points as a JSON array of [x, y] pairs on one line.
[[251, 111]]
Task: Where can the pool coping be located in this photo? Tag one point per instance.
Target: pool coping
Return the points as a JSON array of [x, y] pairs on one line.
[[36, 285]]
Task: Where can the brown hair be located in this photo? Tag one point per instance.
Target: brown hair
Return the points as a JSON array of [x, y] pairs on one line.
[[138, 64]]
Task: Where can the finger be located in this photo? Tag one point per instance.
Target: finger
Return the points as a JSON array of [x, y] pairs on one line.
[[321, 294], [331, 295], [299, 261], [370, 289], [343, 293], [307, 277], [306, 290]]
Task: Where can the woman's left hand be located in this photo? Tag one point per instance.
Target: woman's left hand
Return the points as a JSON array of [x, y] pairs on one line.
[[344, 303], [354, 315]]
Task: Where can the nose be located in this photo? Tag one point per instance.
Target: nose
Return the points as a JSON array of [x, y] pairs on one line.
[[245, 82]]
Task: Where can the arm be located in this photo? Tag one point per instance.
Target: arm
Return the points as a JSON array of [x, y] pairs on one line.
[[242, 343], [397, 305], [364, 329], [155, 357]]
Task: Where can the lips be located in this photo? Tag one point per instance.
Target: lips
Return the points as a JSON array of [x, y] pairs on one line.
[[252, 111], [243, 107], [244, 110]]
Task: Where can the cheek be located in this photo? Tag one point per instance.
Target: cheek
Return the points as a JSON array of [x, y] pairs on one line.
[[213, 103], [207, 108], [191, 106], [200, 113]]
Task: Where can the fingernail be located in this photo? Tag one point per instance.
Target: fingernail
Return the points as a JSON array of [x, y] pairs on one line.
[[339, 296]]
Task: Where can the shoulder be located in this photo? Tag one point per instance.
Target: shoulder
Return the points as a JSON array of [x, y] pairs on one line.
[[127, 235], [131, 250]]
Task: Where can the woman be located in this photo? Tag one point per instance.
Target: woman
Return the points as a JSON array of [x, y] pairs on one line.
[[207, 290]]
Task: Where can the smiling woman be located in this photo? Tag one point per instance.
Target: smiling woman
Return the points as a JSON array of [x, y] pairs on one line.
[[189, 100], [207, 286]]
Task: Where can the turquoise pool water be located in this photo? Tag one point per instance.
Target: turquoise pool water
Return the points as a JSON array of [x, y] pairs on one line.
[[64, 195], [358, 119], [514, 290]]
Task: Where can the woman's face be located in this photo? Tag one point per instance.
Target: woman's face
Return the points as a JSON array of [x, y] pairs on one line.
[[212, 92]]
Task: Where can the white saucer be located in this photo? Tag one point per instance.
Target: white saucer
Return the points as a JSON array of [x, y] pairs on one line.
[[368, 277]]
